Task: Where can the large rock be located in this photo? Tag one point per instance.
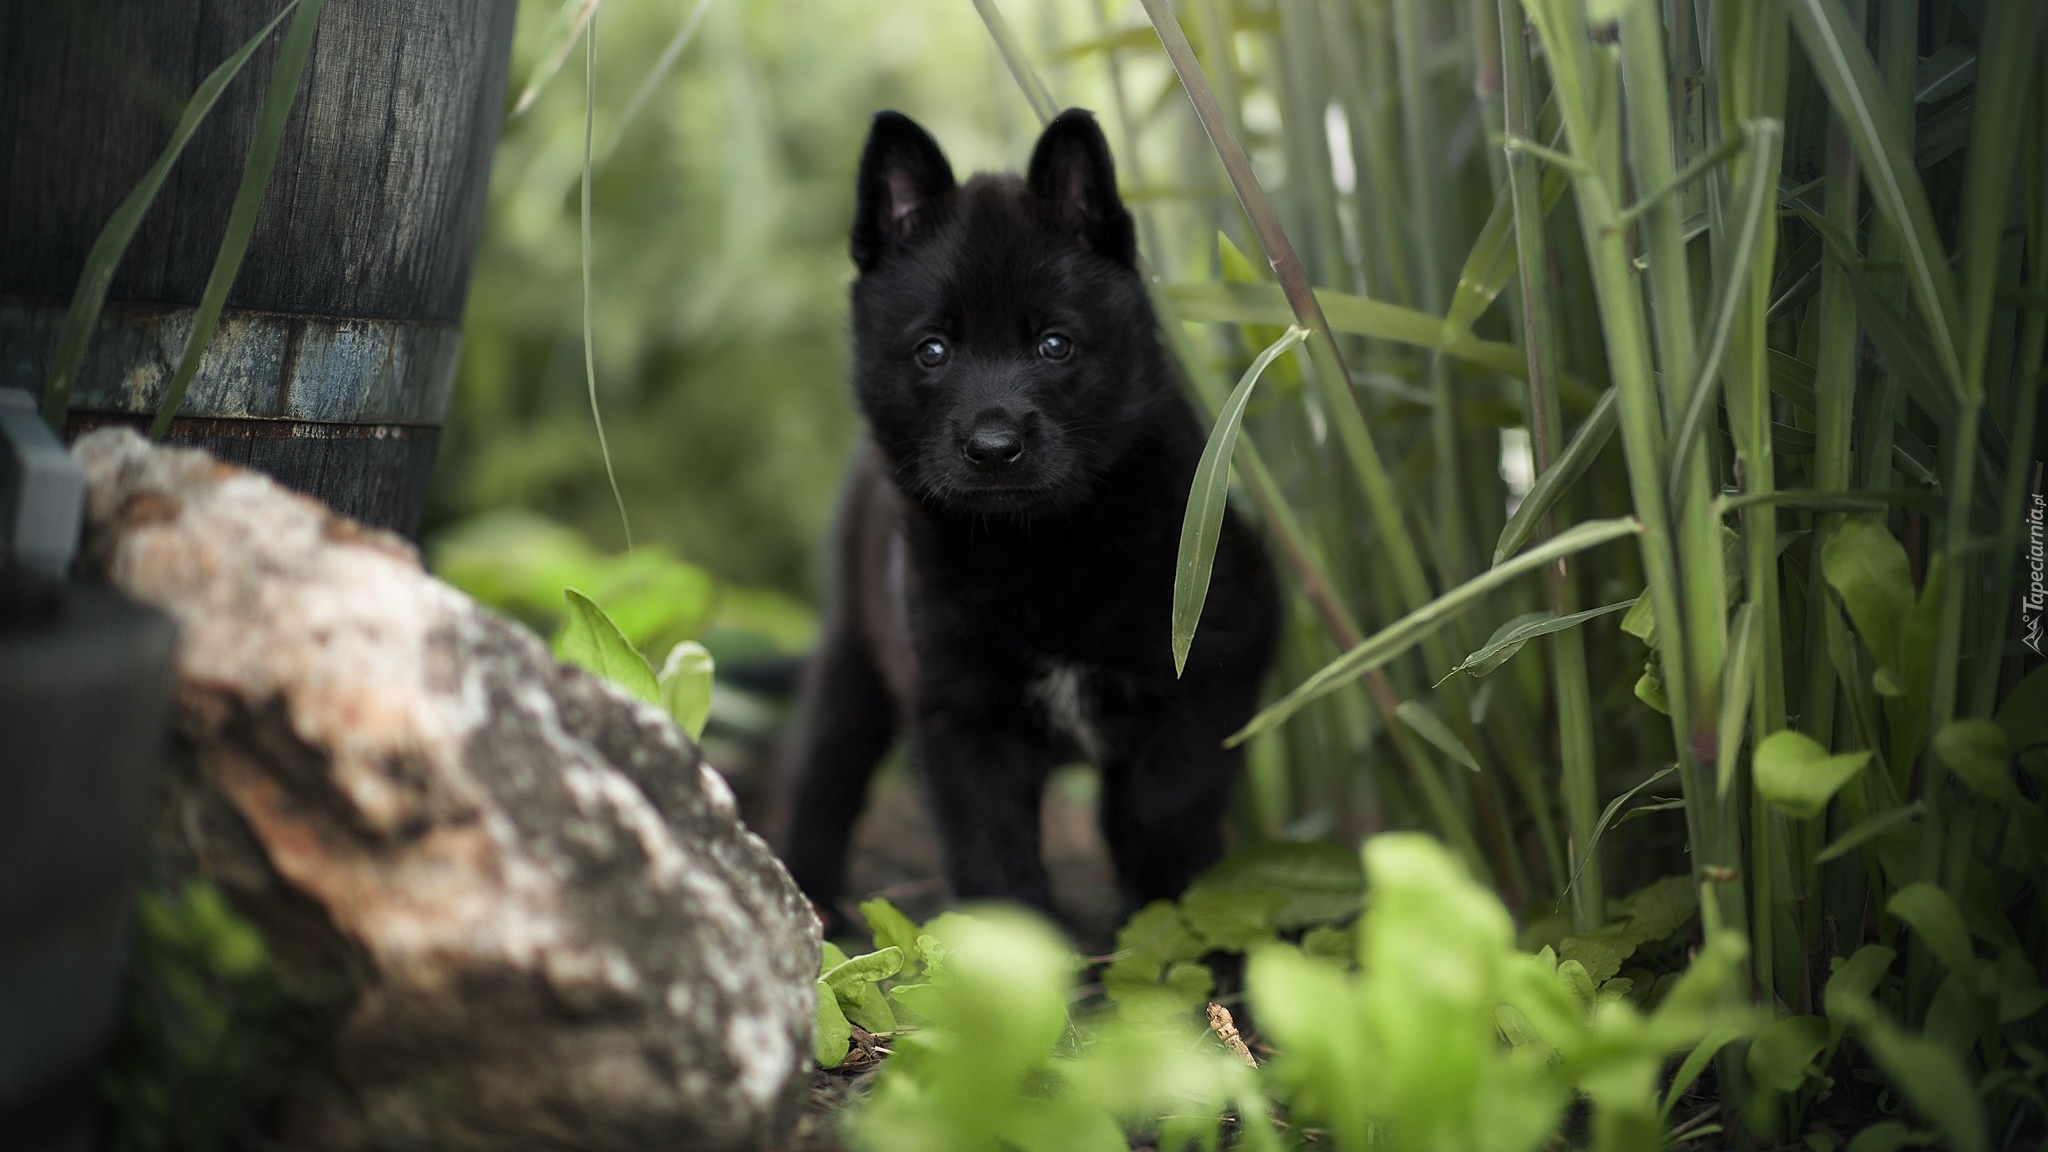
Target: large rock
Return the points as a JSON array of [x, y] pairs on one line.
[[558, 934]]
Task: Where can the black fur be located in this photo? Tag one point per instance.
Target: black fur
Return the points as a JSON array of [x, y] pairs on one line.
[[1010, 534]]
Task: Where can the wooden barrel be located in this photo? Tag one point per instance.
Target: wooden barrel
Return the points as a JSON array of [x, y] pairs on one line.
[[335, 358]]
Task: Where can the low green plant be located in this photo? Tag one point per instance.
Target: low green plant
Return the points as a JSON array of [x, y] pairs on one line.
[[1418, 1025]]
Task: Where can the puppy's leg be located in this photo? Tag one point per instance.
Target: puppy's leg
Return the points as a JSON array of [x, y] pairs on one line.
[[1167, 786], [846, 726], [985, 772]]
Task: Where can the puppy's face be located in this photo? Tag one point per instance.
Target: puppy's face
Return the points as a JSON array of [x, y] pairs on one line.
[[1002, 341]]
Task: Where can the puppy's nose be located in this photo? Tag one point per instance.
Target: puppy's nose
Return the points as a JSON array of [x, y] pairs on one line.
[[993, 446]]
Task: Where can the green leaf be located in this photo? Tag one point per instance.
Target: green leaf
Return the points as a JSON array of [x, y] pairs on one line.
[[1232, 919], [1321, 881], [104, 258], [686, 679], [1607, 816], [1795, 775], [1854, 982], [1781, 1057], [1556, 480], [1867, 568], [846, 979], [1873, 828], [1835, 47], [829, 957], [1430, 727], [2024, 713], [1933, 915], [1265, 303], [1405, 633], [1509, 637], [1695, 1063], [1492, 259], [285, 72], [1932, 1078], [590, 640], [1327, 942], [560, 35], [1978, 751], [833, 1033], [1890, 1136], [1738, 675], [891, 928], [1208, 498], [1641, 621]]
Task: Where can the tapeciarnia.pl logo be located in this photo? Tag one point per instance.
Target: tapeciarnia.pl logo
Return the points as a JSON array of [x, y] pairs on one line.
[[2035, 599]]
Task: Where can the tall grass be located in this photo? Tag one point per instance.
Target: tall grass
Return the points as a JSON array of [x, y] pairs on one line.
[[1805, 284]]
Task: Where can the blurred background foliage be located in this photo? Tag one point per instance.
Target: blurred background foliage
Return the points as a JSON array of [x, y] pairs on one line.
[[720, 218]]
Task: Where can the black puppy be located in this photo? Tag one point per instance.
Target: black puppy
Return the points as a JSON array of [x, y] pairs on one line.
[[1005, 550]]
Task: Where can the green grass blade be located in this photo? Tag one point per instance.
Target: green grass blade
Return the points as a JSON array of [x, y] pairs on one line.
[[285, 73], [655, 75], [112, 242], [1508, 639], [2006, 74], [1266, 303], [1760, 183], [1408, 631], [604, 447], [1551, 486], [1034, 89], [1492, 260], [1836, 49], [1207, 499], [1431, 727], [561, 34], [1738, 678], [1866, 831], [1606, 820]]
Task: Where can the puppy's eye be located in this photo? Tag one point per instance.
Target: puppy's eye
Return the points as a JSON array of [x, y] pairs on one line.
[[1055, 346], [933, 352]]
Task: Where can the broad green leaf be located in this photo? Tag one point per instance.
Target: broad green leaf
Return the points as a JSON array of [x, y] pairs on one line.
[[1232, 919], [1933, 915], [1321, 881], [1866, 566], [1797, 776], [1641, 621], [847, 978], [104, 258], [1208, 498], [1891, 819], [1835, 47], [1978, 751], [1854, 982], [890, 928], [590, 640], [1430, 727], [2020, 994], [1658, 908], [1782, 1054], [285, 72], [1338, 946], [1738, 675], [830, 956], [1509, 637], [1550, 487], [833, 1033], [1408, 631], [686, 679]]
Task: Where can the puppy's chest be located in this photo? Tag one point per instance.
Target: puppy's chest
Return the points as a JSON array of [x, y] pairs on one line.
[[1069, 703]]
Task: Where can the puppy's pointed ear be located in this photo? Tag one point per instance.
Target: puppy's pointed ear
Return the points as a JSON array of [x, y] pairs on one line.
[[904, 181], [1072, 171]]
